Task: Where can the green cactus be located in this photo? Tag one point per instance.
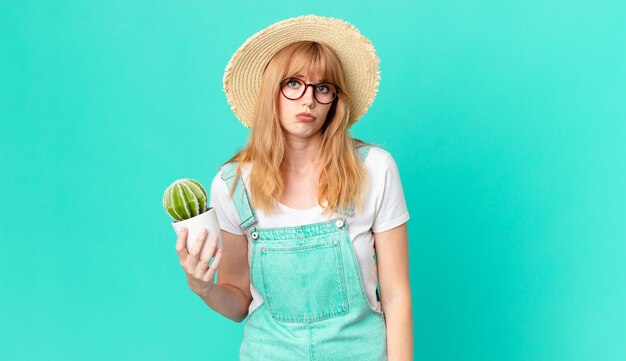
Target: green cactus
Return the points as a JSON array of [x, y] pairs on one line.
[[185, 198]]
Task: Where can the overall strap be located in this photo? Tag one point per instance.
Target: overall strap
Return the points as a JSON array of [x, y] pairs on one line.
[[240, 196], [363, 151]]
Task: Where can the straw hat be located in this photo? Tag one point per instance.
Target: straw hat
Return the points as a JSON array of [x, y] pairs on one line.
[[356, 53]]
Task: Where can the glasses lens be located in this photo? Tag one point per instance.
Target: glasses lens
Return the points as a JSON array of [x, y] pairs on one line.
[[293, 88], [325, 92]]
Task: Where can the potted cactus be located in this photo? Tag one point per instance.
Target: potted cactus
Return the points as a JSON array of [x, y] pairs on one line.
[[186, 202]]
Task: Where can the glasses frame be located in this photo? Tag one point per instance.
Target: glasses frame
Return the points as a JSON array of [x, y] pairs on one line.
[[306, 87]]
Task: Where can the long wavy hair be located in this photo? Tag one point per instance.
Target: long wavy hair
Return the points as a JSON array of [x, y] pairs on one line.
[[342, 176]]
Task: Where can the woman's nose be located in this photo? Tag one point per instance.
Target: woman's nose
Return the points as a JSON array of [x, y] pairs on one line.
[[309, 98]]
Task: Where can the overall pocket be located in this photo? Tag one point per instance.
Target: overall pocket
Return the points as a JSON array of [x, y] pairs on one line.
[[304, 283]]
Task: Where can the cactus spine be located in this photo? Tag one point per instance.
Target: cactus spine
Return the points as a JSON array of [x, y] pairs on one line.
[[184, 199]]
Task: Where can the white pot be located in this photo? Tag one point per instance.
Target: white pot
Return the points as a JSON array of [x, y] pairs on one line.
[[195, 224]]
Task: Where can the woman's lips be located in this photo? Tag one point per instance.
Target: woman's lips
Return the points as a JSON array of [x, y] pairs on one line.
[[305, 117]]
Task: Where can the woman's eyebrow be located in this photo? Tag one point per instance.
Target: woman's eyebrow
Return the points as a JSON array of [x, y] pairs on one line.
[[302, 77]]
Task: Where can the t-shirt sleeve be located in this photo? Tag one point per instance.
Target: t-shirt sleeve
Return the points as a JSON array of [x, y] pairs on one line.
[[224, 206], [392, 210]]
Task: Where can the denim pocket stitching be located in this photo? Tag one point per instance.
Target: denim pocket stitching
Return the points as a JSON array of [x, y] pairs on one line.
[[342, 309], [363, 294], [254, 312], [294, 249]]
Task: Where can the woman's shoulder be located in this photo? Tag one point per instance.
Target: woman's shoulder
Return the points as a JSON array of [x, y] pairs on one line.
[[229, 170], [231, 167], [224, 177], [376, 156]]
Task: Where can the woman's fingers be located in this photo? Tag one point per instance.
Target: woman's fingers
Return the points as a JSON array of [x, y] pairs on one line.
[[210, 273], [192, 260], [181, 245], [197, 246], [196, 260], [210, 251], [206, 256]]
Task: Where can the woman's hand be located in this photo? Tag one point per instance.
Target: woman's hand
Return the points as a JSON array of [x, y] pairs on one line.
[[199, 274]]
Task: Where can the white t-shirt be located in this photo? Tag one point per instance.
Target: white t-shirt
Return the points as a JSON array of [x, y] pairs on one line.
[[384, 209]]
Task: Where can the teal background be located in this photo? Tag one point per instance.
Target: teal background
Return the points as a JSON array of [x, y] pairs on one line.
[[507, 121]]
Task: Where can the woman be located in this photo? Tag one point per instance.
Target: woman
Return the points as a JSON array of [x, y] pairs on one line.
[[304, 206]]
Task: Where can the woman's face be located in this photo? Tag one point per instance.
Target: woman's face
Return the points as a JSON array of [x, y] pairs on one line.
[[289, 110]]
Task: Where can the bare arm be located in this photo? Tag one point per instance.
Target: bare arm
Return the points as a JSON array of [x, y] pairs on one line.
[[395, 291], [230, 296]]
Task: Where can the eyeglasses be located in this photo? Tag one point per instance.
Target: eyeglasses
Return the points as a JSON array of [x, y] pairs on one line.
[[294, 88]]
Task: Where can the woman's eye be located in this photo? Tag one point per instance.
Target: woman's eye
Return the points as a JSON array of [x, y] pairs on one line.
[[293, 83], [322, 88]]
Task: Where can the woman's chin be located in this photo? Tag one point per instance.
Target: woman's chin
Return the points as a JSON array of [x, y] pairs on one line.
[[303, 130]]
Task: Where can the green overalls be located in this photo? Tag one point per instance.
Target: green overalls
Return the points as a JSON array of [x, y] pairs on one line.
[[315, 306]]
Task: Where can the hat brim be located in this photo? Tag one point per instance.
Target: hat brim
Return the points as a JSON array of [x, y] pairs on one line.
[[356, 53]]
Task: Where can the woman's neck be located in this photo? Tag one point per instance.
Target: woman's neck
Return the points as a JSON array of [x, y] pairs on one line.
[[301, 154]]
